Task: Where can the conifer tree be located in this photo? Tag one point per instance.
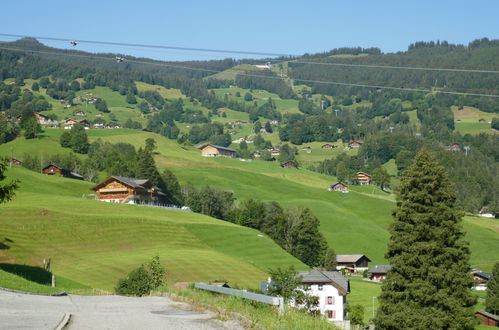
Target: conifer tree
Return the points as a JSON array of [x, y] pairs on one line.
[[330, 260], [427, 287], [146, 168], [492, 300]]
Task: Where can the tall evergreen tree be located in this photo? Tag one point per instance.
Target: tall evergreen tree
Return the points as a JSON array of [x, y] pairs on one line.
[[6, 190], [428, 285], [146, 168], [330, 260], [308, 243], [492, 300]]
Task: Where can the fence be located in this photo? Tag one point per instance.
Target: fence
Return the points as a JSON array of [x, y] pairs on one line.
[[276, 301]]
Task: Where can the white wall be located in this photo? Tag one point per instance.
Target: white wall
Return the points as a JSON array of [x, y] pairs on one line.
[[337, 300]]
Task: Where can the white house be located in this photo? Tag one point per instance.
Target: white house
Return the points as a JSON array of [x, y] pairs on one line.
[[331, 288]]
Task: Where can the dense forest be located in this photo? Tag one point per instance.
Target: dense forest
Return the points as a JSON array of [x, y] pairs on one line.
[[380, 119]]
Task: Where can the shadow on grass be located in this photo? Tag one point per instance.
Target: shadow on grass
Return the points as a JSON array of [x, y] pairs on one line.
[[4, 246], [30, 273]]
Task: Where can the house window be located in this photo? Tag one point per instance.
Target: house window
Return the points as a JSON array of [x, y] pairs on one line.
[[331, 314], [320, 287], [330, 300]]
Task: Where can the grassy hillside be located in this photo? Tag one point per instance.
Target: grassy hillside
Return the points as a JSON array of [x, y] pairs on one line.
[[96, 243], [356, 222], [467, 120]]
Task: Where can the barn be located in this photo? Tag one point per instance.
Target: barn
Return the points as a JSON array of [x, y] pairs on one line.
[[118, 189], [53, 169], [211, 150]]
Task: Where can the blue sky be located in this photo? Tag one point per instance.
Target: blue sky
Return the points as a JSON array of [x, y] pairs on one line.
[[289, 27]]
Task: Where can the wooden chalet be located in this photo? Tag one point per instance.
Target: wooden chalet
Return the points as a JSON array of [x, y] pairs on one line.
[[338, 186], [289, 164], [355, 144], [488, 319], [118, 189], [17, 162], [275, 152], [352, 263], [378, 272], [211, 150], [52, 169], [363, 178], [481, 120], [69, 123], [480, 280], [43, 120], [78, 113], [328, 146]]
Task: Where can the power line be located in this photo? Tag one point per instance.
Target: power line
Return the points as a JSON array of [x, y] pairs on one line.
[[242, 52], [338, 83]]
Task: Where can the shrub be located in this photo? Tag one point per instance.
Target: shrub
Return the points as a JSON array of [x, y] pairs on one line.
[[138, 283]]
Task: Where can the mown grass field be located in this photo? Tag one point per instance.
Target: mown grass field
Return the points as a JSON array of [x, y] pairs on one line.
[[95, 243], [467, 120], [356, 222]]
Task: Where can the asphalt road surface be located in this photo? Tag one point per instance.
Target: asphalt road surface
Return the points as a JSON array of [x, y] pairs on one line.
[[24, 311]]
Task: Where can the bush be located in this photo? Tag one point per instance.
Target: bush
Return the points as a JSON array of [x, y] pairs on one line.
[[138, 283]]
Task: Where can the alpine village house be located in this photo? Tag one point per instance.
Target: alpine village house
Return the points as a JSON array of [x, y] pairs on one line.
[[118, 189], [211, 150]]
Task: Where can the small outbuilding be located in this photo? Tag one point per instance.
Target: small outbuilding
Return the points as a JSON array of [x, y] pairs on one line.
[[355, 144], [328, 146], [487, 318], [17, 162], [378, 272]]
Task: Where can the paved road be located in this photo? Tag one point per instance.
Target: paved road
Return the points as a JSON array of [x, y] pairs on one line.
[[22, 311]]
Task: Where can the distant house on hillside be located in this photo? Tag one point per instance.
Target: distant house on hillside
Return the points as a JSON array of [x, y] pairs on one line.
[[378, 272], [363, 178], [44, 120], [52, 169], [275, 152], [78, 113], [16, 162], [355, 144], [328, 146], [211, 150], [481, 120], [486, 212], [118, 189], [480, 279], [289, 164], [308, 149], [69, 123], [454, 147], [352, 263], [338, 186]]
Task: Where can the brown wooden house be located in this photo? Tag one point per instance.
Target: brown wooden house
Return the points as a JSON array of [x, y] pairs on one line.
[[454, 147], [211, 150], [338, 186], [328, 146], [352, 262], [363, 178], [355, 144], [289, 164], [118, 189], [487, 318], [52, 169]]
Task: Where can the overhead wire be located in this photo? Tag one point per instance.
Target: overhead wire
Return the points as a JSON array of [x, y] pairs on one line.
[[338, 83], [293, 57]]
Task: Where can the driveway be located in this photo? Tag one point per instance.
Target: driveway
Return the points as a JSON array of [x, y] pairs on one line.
[[24, 311]]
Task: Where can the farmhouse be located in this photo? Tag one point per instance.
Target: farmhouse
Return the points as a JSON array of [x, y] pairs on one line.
[[52, 169], [43, 120], [355, 144], [352, 263], [308, 149], [331, 287], [338, 186], [69, 123], [481, 120], [363, 178], [275, 152], [78, 113], [211, 150], [289, 164], [118, 189], [378, 272], [486, 212], [328, 146]]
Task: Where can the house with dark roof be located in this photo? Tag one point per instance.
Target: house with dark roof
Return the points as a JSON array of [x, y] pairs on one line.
[[289, 164], [17, 162], [211, 150], [352, 263], [363, 178], [331, 288], [487, 318], [119, 189], [378, 272], [53, 169], [480, 280], [338, 186]]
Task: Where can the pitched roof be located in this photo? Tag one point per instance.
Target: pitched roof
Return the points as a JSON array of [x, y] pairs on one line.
[[488, 315], [131, 182], [350, 257], [483, 275], [380, 269], [215, 146], [334, 277]]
